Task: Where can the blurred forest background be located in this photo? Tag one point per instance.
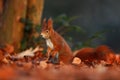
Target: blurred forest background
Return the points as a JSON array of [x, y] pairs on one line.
[[81, 22]]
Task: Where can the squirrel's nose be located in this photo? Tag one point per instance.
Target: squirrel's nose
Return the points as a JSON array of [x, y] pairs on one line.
[[41, 34]]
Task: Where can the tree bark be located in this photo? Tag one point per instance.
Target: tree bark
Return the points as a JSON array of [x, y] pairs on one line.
[[34, 13], [1, 12], [34, 10], [12, 29]]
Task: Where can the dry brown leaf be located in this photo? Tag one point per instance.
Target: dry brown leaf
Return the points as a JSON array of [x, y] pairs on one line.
[[1, 55], [43, 65], [29, 52], [76, 61], [5, 60], [9, 48]]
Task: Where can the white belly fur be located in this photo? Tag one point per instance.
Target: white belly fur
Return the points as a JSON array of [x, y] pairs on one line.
[[49, 43]]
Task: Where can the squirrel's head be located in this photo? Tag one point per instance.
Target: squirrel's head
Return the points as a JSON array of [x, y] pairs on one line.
[[47, 28]]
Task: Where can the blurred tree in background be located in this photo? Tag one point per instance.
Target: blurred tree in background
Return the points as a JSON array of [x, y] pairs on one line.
[[11, 11], [11, 29]]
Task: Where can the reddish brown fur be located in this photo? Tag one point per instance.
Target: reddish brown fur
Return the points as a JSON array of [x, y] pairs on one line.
[[85, 54], [102, 52], [60, 45]]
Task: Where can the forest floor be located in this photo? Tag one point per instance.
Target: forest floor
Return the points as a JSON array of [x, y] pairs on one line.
[[31, 65]]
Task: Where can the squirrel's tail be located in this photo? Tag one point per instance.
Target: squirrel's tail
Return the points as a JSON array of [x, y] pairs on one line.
[[99, 53]]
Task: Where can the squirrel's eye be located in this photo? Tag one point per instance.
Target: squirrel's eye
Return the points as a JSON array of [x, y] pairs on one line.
[[47, 31]]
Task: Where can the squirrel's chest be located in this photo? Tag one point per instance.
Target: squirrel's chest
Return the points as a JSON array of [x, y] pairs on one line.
[[49, 43]]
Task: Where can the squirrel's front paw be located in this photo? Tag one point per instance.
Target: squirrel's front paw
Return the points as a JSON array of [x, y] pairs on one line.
[[53, 60]]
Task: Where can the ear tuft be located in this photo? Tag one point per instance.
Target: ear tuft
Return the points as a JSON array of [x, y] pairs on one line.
[[44, 22], [50, 22]]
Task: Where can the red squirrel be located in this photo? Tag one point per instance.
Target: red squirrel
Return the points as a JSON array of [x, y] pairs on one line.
[[57, 48]]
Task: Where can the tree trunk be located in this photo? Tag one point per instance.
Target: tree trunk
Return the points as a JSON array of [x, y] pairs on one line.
[[12, 29], [1, 12], [34, 10], [34, 13]]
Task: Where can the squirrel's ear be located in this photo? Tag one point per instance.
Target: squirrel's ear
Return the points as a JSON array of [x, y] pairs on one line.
[[50, 23], [44, 22]]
